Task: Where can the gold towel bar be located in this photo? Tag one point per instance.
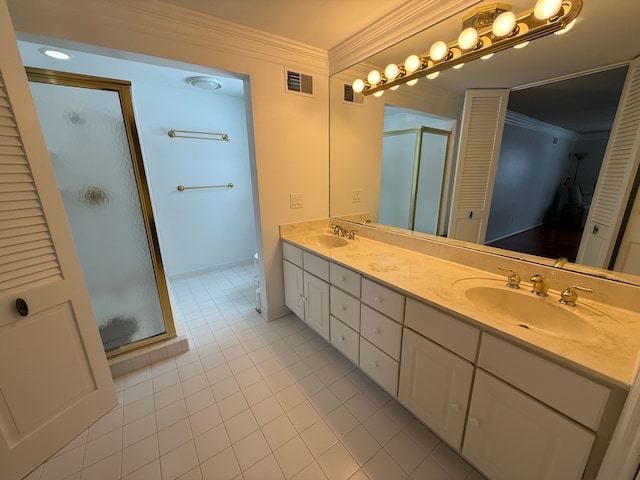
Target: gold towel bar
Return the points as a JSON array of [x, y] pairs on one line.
[[182, 188], [191, 134]]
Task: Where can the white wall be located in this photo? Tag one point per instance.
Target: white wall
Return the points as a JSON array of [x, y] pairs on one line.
[[197, 228], [595, 145], [289, 134]]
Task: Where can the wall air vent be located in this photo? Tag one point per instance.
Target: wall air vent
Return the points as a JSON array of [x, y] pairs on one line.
[[351, 96], [299, 82]]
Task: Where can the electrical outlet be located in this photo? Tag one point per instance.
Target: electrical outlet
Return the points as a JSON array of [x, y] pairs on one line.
[[356, 196], [295, 200]]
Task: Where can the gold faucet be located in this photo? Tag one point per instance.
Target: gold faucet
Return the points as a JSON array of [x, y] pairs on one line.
[[339, 230], [560, 262], [539, 285], [569, 294]]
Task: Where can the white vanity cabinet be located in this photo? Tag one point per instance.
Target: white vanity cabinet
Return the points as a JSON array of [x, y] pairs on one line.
[[344, 297], [530, 418], [511, 435], [306, 287], [435, 383]]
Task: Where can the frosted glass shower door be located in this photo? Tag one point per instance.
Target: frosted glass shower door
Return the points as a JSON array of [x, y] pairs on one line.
[[90, 150], [397, 179]]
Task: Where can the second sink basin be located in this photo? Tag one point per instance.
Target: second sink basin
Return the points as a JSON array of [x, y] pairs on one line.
[[519, 307], [327, 240]]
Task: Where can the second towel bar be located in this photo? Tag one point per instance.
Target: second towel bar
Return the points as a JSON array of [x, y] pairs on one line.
[[182, 188]]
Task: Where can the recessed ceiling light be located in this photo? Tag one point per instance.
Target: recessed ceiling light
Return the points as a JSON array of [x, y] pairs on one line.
[[57, 54], [204, 83]]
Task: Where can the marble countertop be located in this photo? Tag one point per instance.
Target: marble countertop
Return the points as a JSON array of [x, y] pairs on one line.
[[609, 352]]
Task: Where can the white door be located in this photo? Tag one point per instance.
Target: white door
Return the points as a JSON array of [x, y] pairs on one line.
[[435, 386], [316, 304], [293, 289], [615, 181], [512, 436], [480, 139], [54, 376]]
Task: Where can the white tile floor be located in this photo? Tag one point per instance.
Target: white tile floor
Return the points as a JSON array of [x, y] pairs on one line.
[[251, 400]]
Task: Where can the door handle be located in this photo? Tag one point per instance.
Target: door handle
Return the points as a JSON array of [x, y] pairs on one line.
[[22, 307]]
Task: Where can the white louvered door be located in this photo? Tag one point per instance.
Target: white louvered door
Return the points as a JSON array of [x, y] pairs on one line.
[[54, 376], [615, 181], [480, 139]]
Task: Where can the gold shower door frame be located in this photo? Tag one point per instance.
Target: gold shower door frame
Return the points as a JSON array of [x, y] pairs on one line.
[[123, 88]]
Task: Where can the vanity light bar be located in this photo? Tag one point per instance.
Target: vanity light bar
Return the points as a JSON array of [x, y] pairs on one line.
[[479, 41]]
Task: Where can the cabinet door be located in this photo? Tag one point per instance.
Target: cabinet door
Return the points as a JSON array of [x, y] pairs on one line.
[[316, 304], [435, 386], [293, 289], [511, 435]]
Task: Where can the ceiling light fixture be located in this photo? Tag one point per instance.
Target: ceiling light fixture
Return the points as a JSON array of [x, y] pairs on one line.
[[487, 30], [57, 54], [204, 83]]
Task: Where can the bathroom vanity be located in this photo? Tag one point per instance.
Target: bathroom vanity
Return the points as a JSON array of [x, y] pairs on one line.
[[520, 389]]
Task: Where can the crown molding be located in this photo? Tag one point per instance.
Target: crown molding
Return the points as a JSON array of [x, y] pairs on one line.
[[409, 19], [519, 120], [68, 19]]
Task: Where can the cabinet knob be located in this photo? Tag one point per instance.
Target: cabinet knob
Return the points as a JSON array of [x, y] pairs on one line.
[[342, 278], [455, 407], [377, 300], [341, 337], [343, 307], [473, 422], [374, 364], [22, 307], [376, 330]]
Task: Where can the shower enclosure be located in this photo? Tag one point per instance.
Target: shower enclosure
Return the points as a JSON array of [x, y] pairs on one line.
[[89, 128], [416, 157]]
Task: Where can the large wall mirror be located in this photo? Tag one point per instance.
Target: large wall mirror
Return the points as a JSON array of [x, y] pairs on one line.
[[562, 93]]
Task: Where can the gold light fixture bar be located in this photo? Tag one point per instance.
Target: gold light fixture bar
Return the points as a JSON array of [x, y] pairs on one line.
[[492, 37]]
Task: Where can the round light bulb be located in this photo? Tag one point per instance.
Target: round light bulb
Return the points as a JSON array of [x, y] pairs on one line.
[[374, 77], [379, 93], [504, 24], [567, 28], [468, 38], [392, 71], [521, 45], [433, 75], [411, 83], [545, 9], [487, 57], [458, 66], [438, 51], [358, 85], [412, 63], [395, 87]]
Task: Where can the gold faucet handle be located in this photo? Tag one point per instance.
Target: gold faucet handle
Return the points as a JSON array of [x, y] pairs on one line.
[[513, 280], [569, 294]]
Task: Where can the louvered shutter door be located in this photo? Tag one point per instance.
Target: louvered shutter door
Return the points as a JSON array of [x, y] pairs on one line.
[[480, 139], [616, 177], [27, 255]]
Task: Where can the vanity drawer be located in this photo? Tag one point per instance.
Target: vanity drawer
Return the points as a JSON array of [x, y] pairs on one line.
[[381, 331], [383, 299], [379, 366], [345, 307], [346, 279], [575, 396], [443, 329], [291, 253], [345, 339], [316, 265]]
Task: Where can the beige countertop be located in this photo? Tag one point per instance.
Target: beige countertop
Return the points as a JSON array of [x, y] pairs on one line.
[[610, 353]]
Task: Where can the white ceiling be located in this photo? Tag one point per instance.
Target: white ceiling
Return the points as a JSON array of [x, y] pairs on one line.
[[319, 23]]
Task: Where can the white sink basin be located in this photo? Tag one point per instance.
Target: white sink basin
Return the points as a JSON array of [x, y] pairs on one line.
[[327, 240], [520, 307]]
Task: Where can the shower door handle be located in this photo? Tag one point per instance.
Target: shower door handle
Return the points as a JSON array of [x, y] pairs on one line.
[[22, 307]]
